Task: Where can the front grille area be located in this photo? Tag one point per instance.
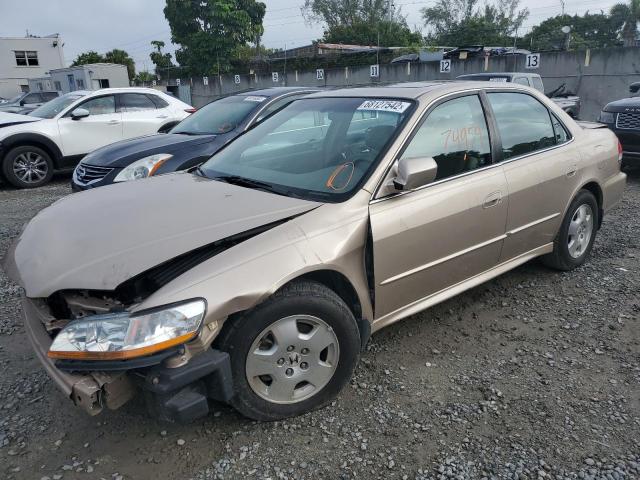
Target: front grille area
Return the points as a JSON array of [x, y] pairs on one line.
[[628, 121], [90, 173]]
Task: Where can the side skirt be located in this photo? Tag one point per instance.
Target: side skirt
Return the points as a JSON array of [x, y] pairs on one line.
[[458, 288]]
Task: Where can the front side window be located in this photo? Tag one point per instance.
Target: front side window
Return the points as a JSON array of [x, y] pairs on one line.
[[455, 135], [32, 98], [309, 150], [100, 105], [135, 102], [523, 122]]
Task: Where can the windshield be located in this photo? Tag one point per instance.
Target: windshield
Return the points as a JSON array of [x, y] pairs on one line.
[[55, 106], [15, 99], [220, 116], [319, 149]]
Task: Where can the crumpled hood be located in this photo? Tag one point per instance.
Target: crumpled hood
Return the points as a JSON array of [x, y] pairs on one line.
[[7, 119], [123, 153], [98, 239]]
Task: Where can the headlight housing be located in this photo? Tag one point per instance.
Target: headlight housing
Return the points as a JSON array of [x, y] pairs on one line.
[[607, 117], [119, 336], [143, 168]]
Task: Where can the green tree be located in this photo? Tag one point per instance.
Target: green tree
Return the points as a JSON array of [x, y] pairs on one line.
[[362, 22], [629, 13], [587, 31], [465, 22], [122, 58], [161, 60], [88, 57], [145, 77], [210, 31]]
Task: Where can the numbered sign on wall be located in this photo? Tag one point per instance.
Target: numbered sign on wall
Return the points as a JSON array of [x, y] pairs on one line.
[[445, 66], [274, 77], [319, 74], [177, 81], [374, 71], [236, 79], [532, 61], [205, 80]]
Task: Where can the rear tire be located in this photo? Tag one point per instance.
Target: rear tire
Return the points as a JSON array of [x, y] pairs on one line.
[[27, 167], [574, 240], [291, 354]]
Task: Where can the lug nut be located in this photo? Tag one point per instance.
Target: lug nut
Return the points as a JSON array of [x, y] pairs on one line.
[[305, 351], [290, 348], [281, 361], [289, 372], [304, 365]]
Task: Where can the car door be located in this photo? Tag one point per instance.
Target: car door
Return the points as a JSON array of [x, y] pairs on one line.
[[541, 173], [429, 239], [140, 115], [102, 127]]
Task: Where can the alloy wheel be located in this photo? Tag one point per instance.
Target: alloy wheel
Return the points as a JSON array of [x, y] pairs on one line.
[[30, 167]]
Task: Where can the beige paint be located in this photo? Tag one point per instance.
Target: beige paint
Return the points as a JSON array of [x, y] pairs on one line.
[[429, 243]]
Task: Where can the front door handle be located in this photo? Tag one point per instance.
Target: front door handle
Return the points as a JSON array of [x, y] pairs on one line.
[[492, 200], [113, 122]]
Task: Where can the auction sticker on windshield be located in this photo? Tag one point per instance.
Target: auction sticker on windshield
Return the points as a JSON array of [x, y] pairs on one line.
[[254, 98], [385, 105], [498, 79]]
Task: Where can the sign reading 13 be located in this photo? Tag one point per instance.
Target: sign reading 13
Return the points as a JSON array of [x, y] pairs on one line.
[[532, 61]]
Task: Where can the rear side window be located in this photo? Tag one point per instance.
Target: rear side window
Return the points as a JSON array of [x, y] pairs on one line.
[[158, 102], [562, 136], [521, 81], [455, 134], [523, 122], [135, 102], [537, 84]]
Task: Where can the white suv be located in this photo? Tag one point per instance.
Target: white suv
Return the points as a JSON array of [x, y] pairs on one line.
[[58, 134]]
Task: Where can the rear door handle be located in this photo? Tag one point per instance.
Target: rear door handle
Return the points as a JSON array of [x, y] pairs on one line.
[[113, 122], [492, 200], [572, 170]]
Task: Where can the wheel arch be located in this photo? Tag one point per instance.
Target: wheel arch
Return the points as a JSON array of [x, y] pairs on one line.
[[596, 190], [33, 139]]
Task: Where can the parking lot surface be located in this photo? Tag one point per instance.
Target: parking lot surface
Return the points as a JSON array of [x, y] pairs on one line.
[[533, 375]]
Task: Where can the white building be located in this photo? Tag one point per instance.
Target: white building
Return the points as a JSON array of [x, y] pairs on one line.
[[91, 76], [25, 58]]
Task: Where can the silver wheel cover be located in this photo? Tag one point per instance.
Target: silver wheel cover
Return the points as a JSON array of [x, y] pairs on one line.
[[580, 231], [292, 359], [30, 167]]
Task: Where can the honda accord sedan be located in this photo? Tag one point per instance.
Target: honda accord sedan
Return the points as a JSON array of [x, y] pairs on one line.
[[258, 278]]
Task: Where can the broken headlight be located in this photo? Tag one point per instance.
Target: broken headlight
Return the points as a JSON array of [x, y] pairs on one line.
[[119, 336]]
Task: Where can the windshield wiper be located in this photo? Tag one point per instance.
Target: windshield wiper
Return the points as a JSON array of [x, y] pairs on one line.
[[198, 171], [246, 182]]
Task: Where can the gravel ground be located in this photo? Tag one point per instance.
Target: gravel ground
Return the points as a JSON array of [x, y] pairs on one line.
[[533, 375]]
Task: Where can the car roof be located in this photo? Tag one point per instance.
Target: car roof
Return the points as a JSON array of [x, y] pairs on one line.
[[277, 91], [493, 74], [103, 91], [415, 90]]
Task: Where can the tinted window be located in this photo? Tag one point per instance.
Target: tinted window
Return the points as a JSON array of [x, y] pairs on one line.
[[100, 105], [135, 102], [562, 136], [158, 102], [455, 134], [523, 122]]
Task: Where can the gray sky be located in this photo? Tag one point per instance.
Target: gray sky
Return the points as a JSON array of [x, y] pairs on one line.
[[131, 24]]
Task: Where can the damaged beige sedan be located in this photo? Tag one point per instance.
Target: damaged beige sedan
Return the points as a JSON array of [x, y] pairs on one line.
[[257, 278]]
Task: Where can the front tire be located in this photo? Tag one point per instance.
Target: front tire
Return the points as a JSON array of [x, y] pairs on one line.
[[291, 354], [574, 240], [27, 167]]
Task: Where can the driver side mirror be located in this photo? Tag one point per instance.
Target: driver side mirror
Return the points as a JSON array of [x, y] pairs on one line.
[[415, 172], [79, 113]]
